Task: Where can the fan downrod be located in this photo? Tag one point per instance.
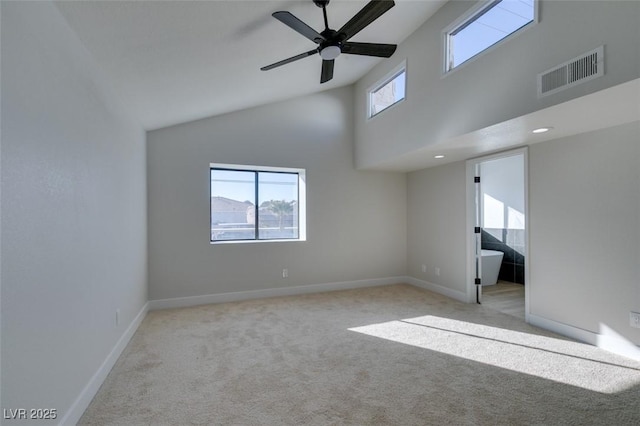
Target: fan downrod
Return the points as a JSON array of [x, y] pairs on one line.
[[321, 3]]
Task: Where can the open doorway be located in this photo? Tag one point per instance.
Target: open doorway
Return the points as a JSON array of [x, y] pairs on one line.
[[498, 232]]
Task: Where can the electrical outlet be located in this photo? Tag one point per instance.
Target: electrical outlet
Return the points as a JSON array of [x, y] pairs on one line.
[[634, 319], [424, 268], [285, 273], [437, 271]]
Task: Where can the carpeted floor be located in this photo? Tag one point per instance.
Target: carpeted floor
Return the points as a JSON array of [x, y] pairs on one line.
[[393, 355]]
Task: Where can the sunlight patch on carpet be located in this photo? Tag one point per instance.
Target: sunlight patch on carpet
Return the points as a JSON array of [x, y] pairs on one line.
[[553, 359]]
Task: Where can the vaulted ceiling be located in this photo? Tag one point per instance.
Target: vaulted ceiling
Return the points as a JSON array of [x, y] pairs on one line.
[[176, 61]]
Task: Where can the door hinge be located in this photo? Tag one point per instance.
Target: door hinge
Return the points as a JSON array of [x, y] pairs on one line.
[[478, 281], [476, 179], [476, 230]]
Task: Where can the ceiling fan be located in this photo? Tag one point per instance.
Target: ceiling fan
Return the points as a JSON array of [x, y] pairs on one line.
[[332, 43]]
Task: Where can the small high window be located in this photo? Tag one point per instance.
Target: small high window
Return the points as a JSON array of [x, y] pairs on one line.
[[257, 203], [485, 26], [389, 91]]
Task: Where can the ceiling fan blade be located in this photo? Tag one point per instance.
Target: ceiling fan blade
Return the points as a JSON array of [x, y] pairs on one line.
[[291, 59], [297, 25], [369, 49], [372, 11], [327, 70]]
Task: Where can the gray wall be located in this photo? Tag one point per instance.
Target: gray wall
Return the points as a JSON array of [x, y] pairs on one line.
[[584, 229], [73, 213], [355, 220], [436, 225], [497, 86], [584, 194]]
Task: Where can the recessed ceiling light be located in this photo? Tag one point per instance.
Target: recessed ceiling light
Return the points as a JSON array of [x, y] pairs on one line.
[[438, 156], [541, 130]]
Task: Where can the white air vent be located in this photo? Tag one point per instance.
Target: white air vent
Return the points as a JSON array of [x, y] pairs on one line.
[[579, 70]]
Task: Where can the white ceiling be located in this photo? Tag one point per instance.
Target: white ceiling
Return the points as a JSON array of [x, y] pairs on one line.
[[176, 61]]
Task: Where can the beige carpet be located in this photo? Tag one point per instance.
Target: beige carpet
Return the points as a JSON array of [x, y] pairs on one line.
[[393, 355]]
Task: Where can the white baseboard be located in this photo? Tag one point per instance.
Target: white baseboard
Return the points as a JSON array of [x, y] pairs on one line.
[[446, 291], [606, 339], [576, 333], [183, 302], [84, 399]]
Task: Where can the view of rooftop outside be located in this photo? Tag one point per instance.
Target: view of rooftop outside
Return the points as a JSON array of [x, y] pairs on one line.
[[235, 195], [388, 94]]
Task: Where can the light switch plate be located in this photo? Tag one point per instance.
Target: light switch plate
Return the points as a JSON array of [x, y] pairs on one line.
[[634, 319]]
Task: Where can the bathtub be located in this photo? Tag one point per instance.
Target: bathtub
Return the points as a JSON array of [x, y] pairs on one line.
[[491, 261]]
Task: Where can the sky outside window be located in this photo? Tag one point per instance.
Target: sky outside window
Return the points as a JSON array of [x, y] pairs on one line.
[[499, 21], [233, 184], [277, 186], [240, 185]]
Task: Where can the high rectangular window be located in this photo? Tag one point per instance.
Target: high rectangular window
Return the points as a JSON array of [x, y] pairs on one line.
[[482, 28], [257, 203], [388, 92]]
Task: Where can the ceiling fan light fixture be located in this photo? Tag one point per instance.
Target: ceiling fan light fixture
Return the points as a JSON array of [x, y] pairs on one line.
[[330, 53]]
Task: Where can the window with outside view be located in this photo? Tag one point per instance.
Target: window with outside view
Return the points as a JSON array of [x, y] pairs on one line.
[[252, 203], [387, 93], [493, 22]]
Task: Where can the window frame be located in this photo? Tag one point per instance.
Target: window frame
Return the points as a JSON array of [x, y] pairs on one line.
[[302, 201], [466, 19], [388, 78]]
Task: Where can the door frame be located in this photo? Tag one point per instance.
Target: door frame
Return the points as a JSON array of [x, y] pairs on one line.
[[470, 205]]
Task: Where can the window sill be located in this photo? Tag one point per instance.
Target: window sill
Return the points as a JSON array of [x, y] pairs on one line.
[[284, 240]]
